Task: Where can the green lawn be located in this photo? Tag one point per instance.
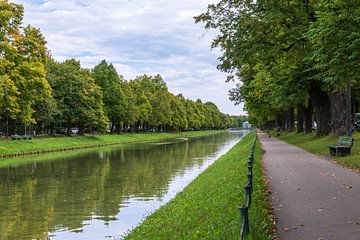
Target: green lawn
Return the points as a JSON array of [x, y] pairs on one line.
[[63, 143], [319, 146], [208, 207]]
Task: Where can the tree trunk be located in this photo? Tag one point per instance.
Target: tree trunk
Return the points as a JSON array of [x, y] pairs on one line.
[[355, 106], [307, 116], [348, 109], [300, 119], [278, 121], [112, 128], [321, 102], [68, 130], [81, 130], [290, 119], [7, 124], [338, 113], [52, 128]]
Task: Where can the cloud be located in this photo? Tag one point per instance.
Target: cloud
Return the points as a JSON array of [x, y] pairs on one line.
[[138, 37]]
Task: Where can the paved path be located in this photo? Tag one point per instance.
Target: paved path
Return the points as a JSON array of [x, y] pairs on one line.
[[313, 198]]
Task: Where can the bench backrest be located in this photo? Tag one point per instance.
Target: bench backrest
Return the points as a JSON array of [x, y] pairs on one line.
[[346, 141]]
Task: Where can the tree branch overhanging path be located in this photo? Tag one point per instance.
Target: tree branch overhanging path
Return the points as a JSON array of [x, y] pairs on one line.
[[312, 197]]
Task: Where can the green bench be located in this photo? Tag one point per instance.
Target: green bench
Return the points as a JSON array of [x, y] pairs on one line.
[[343, 148]]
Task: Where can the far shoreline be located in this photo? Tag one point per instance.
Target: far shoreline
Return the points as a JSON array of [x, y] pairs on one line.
[[18, 148]]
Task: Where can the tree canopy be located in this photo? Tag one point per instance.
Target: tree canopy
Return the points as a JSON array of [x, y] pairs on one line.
[[287, 56]]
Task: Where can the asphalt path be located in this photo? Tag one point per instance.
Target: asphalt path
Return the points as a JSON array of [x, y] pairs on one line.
[[312, 197]]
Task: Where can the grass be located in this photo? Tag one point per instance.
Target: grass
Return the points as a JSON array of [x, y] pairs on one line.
[[319, 146], [208, 207], [62, 143]]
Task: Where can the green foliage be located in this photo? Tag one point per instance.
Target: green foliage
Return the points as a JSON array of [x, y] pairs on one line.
[[22, 72], [285, 52], [208, 207], [336, 42], [79, 99], [239, 120], [114, 98]]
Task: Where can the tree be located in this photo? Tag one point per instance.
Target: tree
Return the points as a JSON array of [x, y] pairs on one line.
[[114, 99], [22, 57], [267, 45], [78, 98], [178, 118], [336, 42], [143, 105]]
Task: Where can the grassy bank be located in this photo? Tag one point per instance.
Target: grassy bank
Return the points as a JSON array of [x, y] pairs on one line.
[[319, 146], [49, 144], [208, 207]]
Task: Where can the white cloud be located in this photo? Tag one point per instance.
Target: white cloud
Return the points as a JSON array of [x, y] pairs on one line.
[[138, 37]]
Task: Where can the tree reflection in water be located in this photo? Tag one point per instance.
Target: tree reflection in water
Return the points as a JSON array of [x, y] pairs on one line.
[[45, 199]]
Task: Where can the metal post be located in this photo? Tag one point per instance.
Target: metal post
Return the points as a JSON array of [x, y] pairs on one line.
[[245, 220], [250, 180], [247, 189], [250, 168]]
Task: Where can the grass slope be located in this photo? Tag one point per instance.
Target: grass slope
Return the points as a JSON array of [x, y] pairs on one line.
[[62, 143], [319, 146], [208, 207]]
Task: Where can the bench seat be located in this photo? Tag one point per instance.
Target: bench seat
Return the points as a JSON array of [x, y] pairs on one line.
[[343, 148]]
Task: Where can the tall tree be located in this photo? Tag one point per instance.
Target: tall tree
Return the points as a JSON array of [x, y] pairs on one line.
[[78, 98], [114, 99], [22, 57]]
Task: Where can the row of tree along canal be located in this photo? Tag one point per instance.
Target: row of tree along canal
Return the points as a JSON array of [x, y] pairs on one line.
[[39, 94]]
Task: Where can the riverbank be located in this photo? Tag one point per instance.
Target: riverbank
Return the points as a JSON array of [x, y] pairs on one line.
[[208, 207], [16, 148], [319, 146]]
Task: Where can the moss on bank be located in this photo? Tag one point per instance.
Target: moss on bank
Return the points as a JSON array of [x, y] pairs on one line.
[[208, 207]]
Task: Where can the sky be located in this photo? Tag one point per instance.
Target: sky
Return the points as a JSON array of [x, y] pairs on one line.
[[138, 37]]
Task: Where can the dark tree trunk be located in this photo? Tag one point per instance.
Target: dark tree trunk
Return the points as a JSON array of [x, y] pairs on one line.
[[68, 129], [7, 124], [307, 116], [321, 102], [112, 128], [289, 116], [12, 127], [355, 106], [278, 121], [338, 113], [300, 119], [52, 129], [81, 130]]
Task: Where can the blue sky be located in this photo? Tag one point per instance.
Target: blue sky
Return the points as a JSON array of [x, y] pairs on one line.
[[138, 37]]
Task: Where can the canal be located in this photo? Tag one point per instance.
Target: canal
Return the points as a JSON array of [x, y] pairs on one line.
[[100, 193]]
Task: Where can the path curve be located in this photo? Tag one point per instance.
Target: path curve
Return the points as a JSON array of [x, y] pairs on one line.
[[312, 197]]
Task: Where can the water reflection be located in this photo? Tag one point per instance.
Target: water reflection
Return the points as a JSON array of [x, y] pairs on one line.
[[101, 193]]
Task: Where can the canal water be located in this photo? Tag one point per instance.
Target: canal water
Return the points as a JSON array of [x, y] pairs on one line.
[[100, 193]]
